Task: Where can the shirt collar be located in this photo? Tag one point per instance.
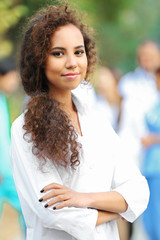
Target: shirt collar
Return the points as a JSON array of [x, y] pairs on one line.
[[78, 104]]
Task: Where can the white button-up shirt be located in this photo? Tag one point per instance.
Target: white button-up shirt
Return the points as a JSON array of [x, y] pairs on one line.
[[103, 167]]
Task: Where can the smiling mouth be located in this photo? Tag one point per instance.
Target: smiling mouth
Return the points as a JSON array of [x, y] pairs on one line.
[[71, 75]]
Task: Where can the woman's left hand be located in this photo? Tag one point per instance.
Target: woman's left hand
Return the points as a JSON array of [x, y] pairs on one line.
[[63, 197]]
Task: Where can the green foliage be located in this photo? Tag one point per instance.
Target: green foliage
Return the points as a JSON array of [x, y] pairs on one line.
[[120, 25], [15, 101], [9, 17], [108, 10]]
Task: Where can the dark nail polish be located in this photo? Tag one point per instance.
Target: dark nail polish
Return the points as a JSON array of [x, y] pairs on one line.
[[46, 205], [42, 190], [41, 199], [54, 208]]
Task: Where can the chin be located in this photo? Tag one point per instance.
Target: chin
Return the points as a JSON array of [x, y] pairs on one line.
[[74, 86]]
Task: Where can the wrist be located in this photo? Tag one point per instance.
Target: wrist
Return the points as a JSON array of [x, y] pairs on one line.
[[90, 199], [104, 217]]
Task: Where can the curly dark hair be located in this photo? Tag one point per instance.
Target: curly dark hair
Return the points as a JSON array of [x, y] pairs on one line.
[[51, 131]]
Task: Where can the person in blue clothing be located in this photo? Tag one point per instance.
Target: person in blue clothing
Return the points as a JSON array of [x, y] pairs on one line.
[[8, 83], [151, 167]]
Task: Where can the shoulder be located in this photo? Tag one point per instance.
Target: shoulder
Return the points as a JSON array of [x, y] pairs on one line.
[[85, 94], [17, 125], [133, 75], [127, 78], [128, 82], [19, 121]]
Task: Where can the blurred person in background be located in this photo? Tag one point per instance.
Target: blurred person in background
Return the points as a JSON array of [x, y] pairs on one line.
[[139, 93], [141, 82], [151, 166], [8, 84], [8, 76], [107, 92]]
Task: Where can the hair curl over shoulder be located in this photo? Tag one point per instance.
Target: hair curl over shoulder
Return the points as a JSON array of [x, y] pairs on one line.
[[51, 131], [52, 134]]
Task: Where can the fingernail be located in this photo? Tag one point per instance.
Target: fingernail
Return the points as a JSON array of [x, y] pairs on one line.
[[41, 199], [46, 205], [54, 208], [42, 190]]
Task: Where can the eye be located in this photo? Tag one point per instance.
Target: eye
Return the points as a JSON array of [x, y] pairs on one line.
[[79, 52], [57, 54]]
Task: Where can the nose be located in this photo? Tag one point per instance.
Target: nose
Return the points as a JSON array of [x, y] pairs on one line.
[[71, 62]]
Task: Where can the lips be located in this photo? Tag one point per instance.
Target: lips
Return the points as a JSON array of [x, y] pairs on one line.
[[71, 75]]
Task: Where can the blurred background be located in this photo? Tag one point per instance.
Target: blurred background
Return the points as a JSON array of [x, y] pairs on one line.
[[120, 26]]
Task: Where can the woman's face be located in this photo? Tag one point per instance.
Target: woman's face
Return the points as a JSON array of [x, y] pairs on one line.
[[66, 63]]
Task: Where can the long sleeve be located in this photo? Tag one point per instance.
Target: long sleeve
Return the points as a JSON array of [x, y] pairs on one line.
[[128, 181], [29, 179]]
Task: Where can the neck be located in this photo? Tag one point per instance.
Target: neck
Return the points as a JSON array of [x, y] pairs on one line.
[[65, 99]]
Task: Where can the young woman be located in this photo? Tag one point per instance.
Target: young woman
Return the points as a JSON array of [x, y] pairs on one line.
[[69, 168]]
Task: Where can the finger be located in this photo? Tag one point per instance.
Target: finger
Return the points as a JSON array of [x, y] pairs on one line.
[[51, 186], [58, 199], [62, 205], [52, 194]]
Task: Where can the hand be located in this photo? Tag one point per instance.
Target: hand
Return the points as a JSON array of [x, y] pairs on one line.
[[149, 140], [63, 197]]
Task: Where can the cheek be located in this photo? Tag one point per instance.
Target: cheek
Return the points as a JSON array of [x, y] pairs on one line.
[[53, 66], [84, 65]]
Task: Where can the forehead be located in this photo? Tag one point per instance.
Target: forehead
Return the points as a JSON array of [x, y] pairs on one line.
[[67, 35], [148, 49]]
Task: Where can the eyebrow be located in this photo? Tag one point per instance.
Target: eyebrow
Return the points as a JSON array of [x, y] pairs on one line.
[[61, 48]]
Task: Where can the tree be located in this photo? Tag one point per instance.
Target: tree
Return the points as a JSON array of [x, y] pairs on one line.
[[120, 25], [10, 15]]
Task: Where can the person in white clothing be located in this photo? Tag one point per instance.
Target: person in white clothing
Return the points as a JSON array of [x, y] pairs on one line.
[[140, 83], [71, 172], [139, 93]]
